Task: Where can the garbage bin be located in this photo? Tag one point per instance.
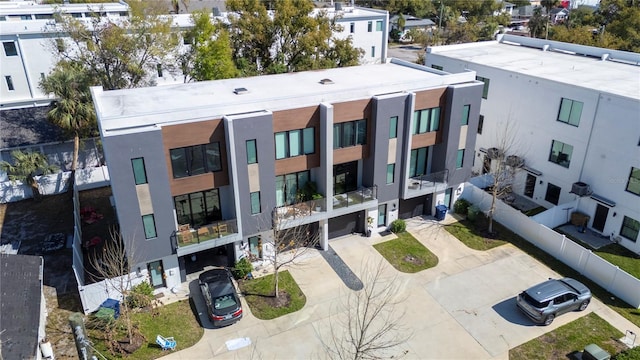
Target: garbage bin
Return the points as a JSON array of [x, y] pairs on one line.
[[441, 212], [112, 304]]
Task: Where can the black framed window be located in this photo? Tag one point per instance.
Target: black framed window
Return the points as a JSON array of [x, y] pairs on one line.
[[252, 151], [350, 133], [391, 170], [465, 114], [418, 161], [352, 27], [195, 160], [198, 208], [570, 111], [10, 48], [295, 143], [480, 124], [630, 228], [149, 224], [255, 202], [139, 171], [9, 82], [370, 26], [460, 158], [633, 185], [553, 194], [560, 153], [426, 120], [393, 127], [289, 186]]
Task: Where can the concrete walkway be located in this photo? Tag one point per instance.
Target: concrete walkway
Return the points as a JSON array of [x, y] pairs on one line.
[[464, 308]]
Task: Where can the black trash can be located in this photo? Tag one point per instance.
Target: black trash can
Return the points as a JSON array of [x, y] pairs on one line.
[[441, 212]]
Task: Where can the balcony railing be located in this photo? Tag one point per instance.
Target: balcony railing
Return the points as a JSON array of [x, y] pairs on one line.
[[355, 197], [186, 235], [302, 209], [436, 181]]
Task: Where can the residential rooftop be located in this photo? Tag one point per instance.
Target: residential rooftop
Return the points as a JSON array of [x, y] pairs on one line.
[[605, 70], [135, 109]]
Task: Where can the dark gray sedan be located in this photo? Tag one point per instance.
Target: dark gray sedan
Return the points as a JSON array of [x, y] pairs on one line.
[[543, 302], [223, 305]]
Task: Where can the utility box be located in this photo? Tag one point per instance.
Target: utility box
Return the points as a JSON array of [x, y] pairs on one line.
[[595, 352]]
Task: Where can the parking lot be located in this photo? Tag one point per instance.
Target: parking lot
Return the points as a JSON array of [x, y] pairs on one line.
[[464, 308]]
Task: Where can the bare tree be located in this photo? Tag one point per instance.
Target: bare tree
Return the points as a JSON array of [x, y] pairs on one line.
[[112, 261], [506, 160], [369, 323]]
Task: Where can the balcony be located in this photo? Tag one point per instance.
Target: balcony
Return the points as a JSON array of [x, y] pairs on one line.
[[301, 210], [427, 184], [354, 198], [187, 236]]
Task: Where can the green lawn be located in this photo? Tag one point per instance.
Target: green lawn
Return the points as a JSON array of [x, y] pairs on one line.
[[616, 254], [407, 254], [176, 319], [471, 234], [557, 344], [259, 295], [621, 307]]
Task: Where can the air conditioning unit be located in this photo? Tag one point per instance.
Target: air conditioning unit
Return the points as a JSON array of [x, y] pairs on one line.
[[495, 153], [515, 161], [581, 189]]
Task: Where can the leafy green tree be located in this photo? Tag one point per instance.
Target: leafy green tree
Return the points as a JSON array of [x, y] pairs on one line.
[[209, 56], [548, 5], [73, 108], [120, 53], [621, 18], [457, 33], [417, 8], [26, 166], [537, 23], [251, 34]]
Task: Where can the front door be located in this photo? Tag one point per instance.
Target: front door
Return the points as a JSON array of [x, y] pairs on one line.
[[600, 218], [486, 165], [345, 177], [156, 274], [530, 185]]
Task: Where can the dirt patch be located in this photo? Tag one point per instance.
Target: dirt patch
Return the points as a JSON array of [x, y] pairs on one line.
[[413, 260], [283, 300]]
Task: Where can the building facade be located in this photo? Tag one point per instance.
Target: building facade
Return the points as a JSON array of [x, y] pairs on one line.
[[574, 115], [202, 169], [29, 39]]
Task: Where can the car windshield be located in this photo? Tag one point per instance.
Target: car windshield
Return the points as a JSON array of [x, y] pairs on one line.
[[224, 301], [533, 302]]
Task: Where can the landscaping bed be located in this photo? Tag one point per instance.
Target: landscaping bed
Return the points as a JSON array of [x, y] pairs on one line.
[[407, 254], [258, 292]]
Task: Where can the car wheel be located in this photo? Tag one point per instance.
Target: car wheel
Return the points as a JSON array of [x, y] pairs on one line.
[[583, 305], [549, 319]]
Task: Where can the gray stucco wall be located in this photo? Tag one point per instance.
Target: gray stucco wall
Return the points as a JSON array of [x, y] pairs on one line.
[[445, 153], [260, 128], [119, 151]]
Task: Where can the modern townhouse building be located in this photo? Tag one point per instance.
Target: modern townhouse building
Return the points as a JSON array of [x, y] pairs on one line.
[[28, 36], [575, 112], [201, 169]]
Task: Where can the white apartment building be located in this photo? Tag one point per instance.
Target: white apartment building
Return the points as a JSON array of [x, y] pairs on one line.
[[573, 113], [26, 35]]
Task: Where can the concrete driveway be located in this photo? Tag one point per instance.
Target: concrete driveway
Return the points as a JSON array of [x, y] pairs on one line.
[[464, 308]]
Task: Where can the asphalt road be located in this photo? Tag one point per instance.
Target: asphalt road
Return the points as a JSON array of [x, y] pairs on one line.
[[404, 52]]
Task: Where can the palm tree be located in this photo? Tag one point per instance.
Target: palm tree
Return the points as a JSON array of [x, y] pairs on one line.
[[26, 166], [548, 5], [73, 110]]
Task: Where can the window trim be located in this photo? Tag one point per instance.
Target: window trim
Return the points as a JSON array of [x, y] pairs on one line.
[[147, 230], [137, 174]]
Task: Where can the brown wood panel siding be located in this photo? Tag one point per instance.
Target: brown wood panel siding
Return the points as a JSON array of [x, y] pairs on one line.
[[426, 139], [351, 153], [294, 119], [352, 110], [197, 133], [431, 98]]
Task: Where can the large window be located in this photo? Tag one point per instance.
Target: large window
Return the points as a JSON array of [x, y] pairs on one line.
[[195, 160], [465, 114], [149, 224], [426, 120], [553, 194], [295, 143], [393, 127], [139, 171], [288, 186], [252, 152], [349, 134], [9, 82], [10, 48], [382, 215], [460, 159], [560, 153], [630, 228], [199, 208], [485, 89], [255, 247], [570, 111], [379, 25], [633, 185], [391, 169], [255, 202], [418, 162]]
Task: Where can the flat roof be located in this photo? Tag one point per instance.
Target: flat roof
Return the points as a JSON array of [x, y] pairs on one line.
[[134, 109], [552, 60]]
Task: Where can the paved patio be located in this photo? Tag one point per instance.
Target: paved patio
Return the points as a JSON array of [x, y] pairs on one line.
[[590, 237]]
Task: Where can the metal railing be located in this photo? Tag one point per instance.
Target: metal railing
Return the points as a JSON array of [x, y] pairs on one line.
[[427, 181], [355, 197], [191, 236], [302, 209]]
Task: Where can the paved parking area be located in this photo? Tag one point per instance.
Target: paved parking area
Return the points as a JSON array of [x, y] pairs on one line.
[[464, 308]]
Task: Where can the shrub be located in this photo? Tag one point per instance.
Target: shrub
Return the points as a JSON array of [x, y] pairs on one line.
[[242, 269], [630, 354], [398, 226], [461, 206], [140, 296], [473, 212]]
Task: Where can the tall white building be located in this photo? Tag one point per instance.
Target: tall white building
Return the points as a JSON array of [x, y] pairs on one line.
[[26, 35], [574, 115]]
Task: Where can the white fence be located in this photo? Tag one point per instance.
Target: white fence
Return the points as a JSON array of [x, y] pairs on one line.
[[48, 184], [610, 277]]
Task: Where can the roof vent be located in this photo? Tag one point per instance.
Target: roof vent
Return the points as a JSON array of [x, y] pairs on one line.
[[545, 47], [604, 57], [326, 81], [240, 91]]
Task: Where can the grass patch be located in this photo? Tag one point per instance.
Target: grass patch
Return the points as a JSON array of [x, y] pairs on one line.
[[407, 254], [258, 293], [630, 313], [574, 336], [176, 319], [614, 253], [473, 234]]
